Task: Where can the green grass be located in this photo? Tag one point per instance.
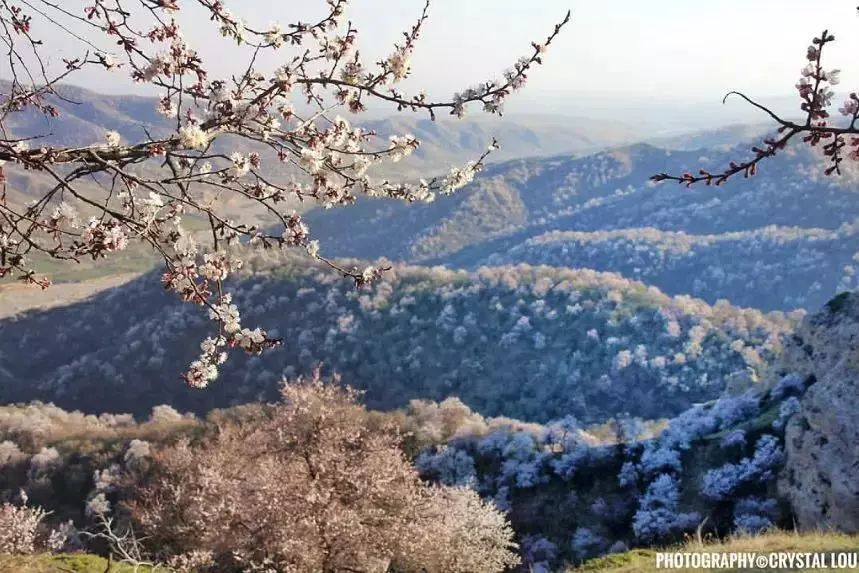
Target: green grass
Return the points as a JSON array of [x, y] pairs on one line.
[[71, 563], [777, 541]]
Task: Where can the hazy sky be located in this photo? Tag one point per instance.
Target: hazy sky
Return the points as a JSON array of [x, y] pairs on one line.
[[614, 55]]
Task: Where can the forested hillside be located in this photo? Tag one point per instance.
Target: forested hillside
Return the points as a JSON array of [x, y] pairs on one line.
[[768, 268], [534, 343], [780, 240]]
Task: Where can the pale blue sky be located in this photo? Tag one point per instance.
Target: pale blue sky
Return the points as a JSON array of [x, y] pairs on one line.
[[614, 51]]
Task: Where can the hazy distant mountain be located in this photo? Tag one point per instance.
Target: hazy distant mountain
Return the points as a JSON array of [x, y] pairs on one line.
[[727, 136], [448, 142], [86, 115], [507, 214], [533, 343]]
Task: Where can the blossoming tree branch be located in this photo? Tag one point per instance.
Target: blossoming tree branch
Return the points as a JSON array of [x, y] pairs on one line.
[[147, 188], [817, 129]]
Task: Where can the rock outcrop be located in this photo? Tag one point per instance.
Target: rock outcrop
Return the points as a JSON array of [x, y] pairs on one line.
[[821, 474]]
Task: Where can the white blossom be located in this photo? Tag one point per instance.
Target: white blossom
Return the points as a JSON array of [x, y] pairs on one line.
[[193, 137]]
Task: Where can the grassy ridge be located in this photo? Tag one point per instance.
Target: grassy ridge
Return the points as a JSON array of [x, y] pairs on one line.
[[72, 563], [638, 560]]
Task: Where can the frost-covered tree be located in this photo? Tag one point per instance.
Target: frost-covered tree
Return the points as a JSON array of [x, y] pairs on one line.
[[221, 141]]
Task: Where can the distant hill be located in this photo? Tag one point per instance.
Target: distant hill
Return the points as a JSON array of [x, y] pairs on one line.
[[529, 342], [448, 142], [768, 268], [86, 115], [519, 211]]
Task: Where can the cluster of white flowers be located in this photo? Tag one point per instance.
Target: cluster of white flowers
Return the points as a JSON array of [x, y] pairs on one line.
[[218, 266], [241, 165], [66, 213], [205, 369], [402, 146], [459, 177], [312, 160], [399, 64], [226, 313], [112, 138], [137, 450], [274, 36], [296, 233], [192, 136], [99, 237], [46, 459], [249, 339], [19, 527]]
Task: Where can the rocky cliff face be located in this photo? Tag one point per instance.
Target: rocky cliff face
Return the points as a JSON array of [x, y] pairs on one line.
[[821, 474]]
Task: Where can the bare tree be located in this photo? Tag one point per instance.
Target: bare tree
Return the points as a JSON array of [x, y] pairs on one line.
[[223, 135]]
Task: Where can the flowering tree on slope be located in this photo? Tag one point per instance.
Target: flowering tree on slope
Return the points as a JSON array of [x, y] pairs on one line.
[[224, 133]]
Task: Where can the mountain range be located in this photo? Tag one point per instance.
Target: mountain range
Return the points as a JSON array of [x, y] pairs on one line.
[[784, 239], [555, 284]]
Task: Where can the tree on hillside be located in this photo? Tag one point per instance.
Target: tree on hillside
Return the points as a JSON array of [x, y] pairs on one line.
[[224, 139], [331, 491]]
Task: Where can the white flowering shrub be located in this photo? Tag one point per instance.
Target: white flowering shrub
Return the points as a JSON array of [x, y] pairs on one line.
[[751, 524], [19, 528], [720, 483], [754, 514], [538, 553], [45, 460], [786, 411], [448, 465], [10, 453], [628, 475], [731, 410], [658, 460], [220, 139], [791, 384], [572, 459], [658, 516], [138, 453], [165, 413], [734, 438], [458, 532], [586, 543]]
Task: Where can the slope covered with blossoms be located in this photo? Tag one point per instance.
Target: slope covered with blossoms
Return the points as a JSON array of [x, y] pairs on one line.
[[768, 268], [521, 211], [527, 342]]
